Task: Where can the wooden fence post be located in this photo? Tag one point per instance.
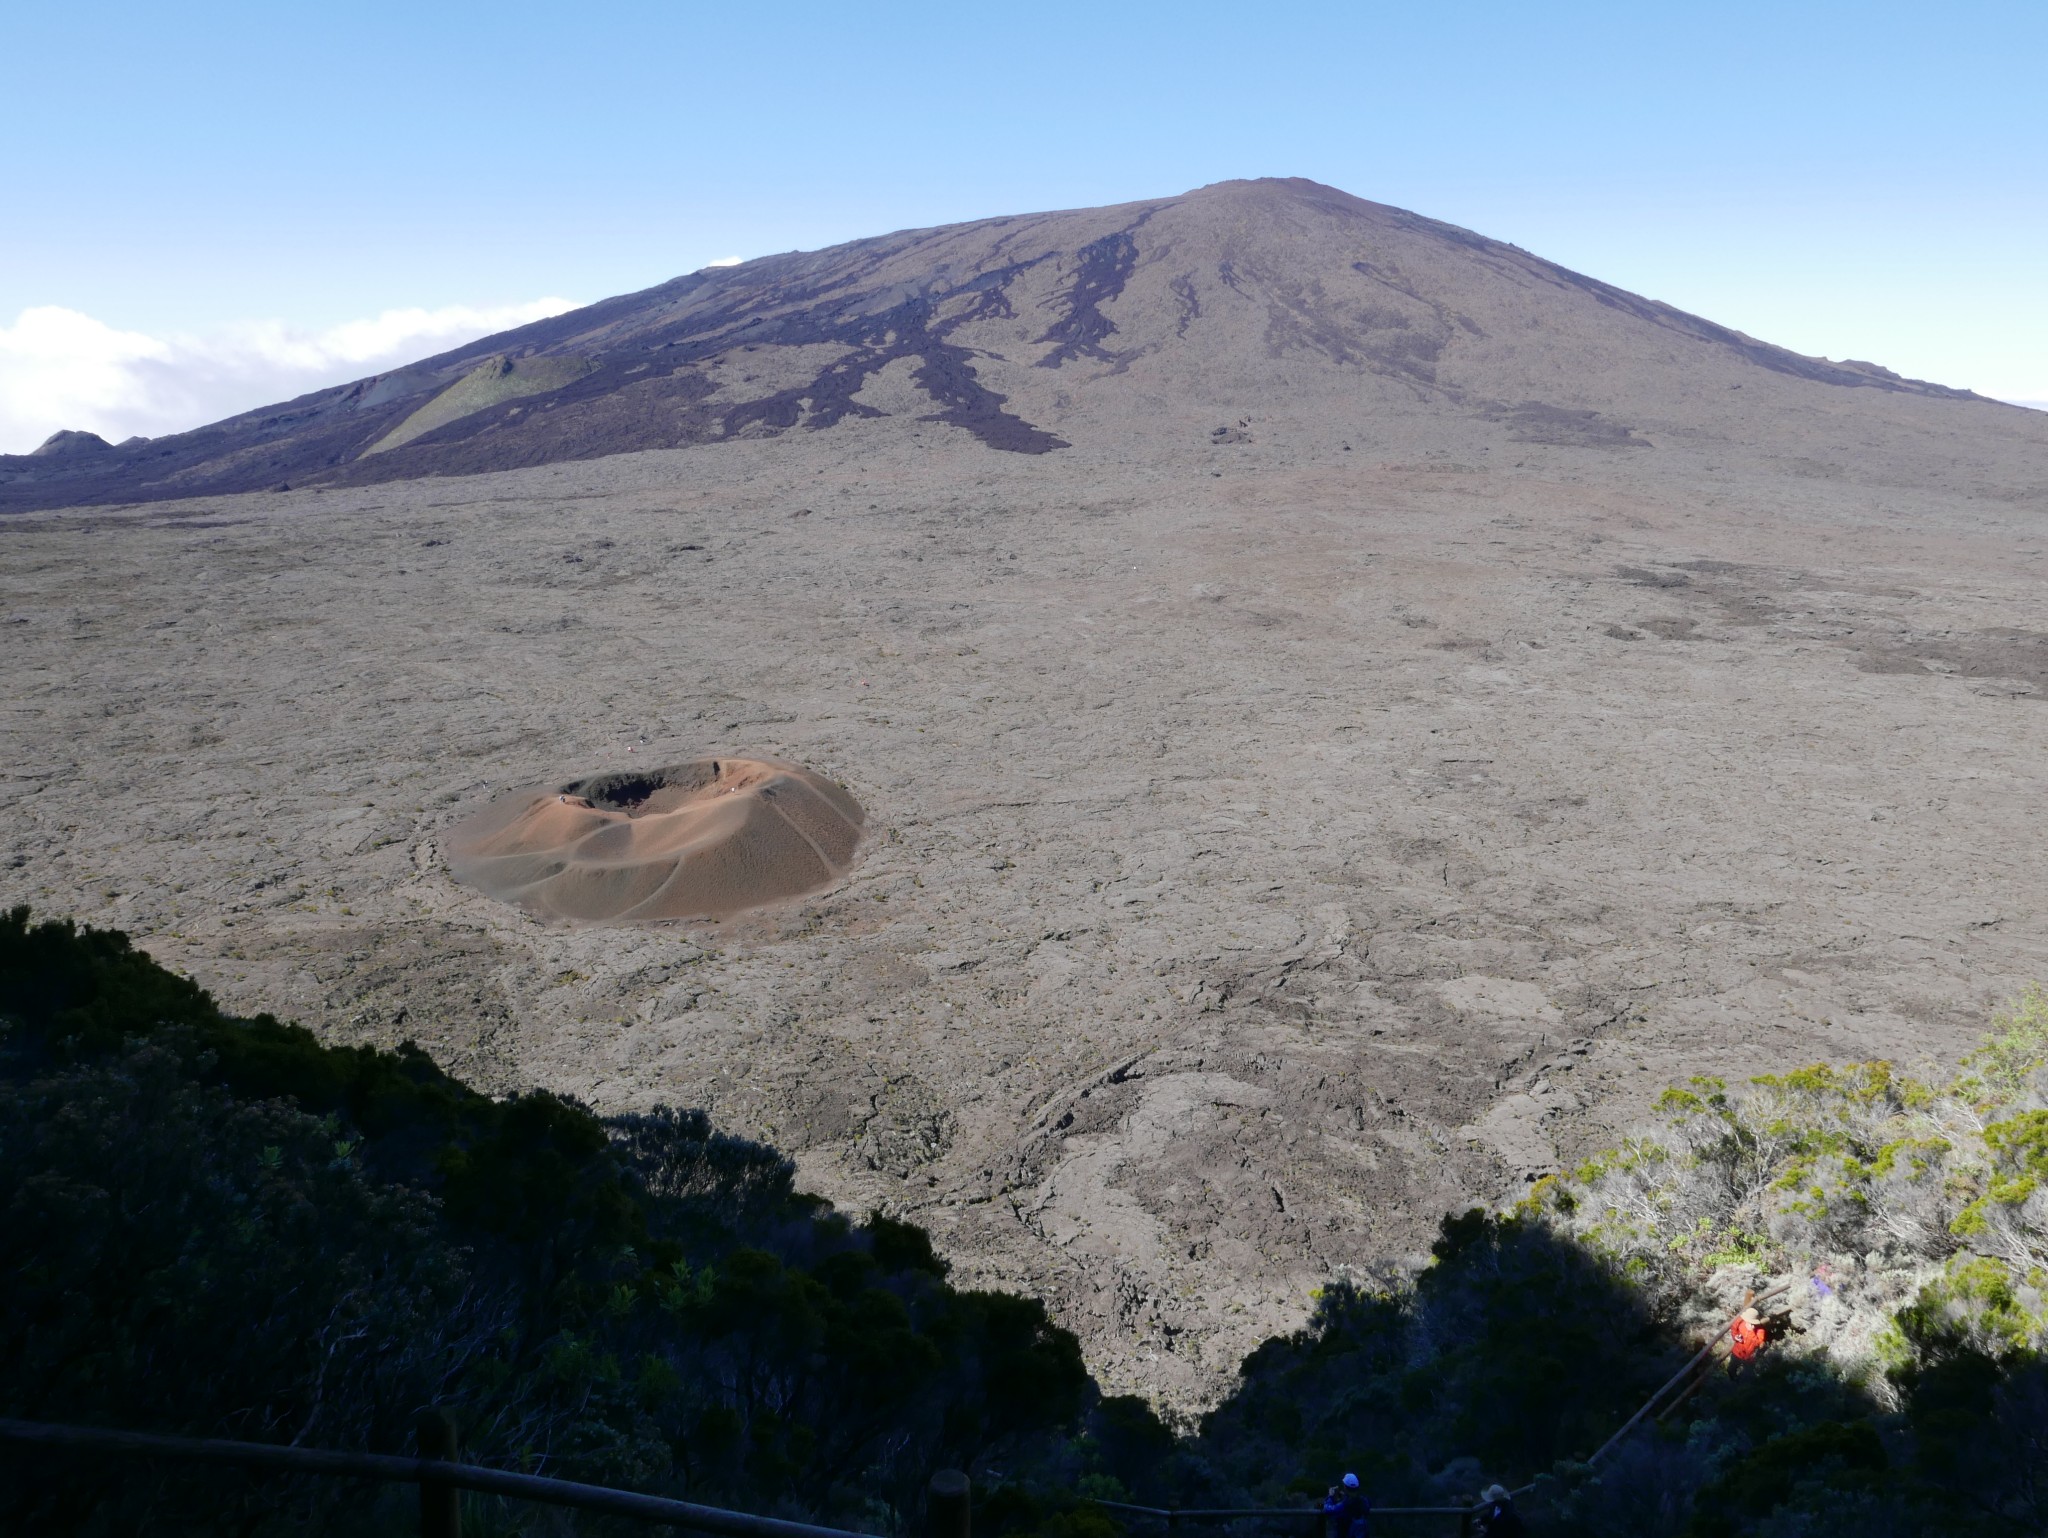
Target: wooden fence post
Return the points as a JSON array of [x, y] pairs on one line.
[[949, 1506], [440, 1505]]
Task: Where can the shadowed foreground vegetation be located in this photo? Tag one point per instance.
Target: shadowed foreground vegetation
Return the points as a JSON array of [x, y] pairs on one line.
[[218, 1226]]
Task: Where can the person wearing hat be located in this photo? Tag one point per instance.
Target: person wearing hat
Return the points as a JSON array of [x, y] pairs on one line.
[[1346, 1511], [1746, 1337], [1497, 1515]]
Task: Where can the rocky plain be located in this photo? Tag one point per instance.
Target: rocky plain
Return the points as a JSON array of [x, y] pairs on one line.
[[1345, 712]]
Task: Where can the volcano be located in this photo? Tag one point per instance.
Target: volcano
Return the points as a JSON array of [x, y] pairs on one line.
[[1159, 325], [685, 842]]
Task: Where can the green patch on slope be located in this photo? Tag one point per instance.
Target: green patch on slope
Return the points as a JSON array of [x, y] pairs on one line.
[[490, 383]]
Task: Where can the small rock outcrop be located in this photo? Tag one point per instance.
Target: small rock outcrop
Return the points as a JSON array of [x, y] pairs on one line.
[[69, 442]]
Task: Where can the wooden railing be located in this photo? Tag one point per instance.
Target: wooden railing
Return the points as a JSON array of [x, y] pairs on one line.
[[440, 1477]]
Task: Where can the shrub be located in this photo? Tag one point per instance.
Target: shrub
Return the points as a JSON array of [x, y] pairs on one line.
[[217, 1225]]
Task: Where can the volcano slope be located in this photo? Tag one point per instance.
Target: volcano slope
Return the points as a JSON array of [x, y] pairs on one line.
[[1344, 713]]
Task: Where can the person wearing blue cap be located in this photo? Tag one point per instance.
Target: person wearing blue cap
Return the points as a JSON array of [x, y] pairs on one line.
[[1346, 1511]]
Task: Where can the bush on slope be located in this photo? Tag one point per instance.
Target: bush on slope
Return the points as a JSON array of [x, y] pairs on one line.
[[1927, 1203], [218, 1226], [1912, 1221], [1914, 1402]]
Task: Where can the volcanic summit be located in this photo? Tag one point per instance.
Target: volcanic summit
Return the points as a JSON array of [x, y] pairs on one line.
[[1282, 300]]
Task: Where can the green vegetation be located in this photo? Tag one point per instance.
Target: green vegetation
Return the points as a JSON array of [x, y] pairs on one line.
[[1933, 1190], [217, 1226], [1915, 1402], [1921, 1208], [490, 383]]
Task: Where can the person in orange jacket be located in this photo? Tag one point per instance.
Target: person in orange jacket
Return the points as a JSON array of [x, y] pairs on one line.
[[1746, 1337]]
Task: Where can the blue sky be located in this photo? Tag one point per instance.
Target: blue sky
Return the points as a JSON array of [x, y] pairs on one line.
[[209, 200]]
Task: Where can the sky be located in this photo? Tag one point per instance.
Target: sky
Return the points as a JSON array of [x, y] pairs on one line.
[[213, 206]]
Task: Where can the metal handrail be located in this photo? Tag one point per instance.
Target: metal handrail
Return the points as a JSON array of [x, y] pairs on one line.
[[420, 1471], [1299, 1513]]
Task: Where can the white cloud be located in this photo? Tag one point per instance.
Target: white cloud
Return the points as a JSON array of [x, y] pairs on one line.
[[724, 261], [60, 368]]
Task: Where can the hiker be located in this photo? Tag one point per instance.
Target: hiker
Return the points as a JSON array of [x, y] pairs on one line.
[[1346, 1511], [1746, 1337], [1497, 1515]]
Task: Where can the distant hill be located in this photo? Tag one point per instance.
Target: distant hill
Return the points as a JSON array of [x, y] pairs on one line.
[[1032, 333], [67, 444]]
